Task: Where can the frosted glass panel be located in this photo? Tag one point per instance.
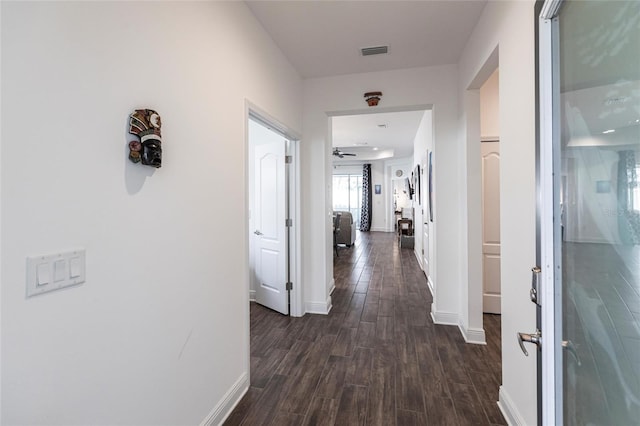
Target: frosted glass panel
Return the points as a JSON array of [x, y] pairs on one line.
[[599, 53]]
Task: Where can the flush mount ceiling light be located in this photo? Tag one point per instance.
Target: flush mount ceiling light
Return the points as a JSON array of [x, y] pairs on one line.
[[375, 50]]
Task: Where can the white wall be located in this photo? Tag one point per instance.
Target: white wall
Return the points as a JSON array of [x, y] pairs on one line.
[[410, 87], [490, 107], [422, 142], [158, 333], [379, 206], [506, 28]]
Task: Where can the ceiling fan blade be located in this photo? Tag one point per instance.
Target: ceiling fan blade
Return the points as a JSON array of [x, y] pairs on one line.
[[347, 153]]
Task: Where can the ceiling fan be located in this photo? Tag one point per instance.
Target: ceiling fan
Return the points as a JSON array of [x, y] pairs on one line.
[[341, 154]]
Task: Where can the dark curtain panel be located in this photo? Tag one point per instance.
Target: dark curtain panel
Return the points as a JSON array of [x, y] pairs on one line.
[[365, 212], [628, 218]]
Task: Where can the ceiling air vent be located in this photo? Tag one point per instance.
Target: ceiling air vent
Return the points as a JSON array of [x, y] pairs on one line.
[[377, 50]]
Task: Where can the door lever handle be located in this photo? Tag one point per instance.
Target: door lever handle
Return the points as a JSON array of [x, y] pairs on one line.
[[257, 232], [535, 338], [571, 348]]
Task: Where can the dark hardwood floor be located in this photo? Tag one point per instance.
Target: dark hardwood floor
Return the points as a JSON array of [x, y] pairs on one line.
[[376, 359]]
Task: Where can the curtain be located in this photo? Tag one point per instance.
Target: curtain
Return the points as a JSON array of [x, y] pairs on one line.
[[628, 219], [365, 212]]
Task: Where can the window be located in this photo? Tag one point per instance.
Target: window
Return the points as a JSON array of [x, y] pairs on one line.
[[347, 195]]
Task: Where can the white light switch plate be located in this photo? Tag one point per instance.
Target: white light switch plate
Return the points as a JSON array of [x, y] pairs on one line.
[[55, 271]]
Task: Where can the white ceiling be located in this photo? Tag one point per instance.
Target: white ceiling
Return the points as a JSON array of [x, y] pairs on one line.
[[323, 38], [363, 136]]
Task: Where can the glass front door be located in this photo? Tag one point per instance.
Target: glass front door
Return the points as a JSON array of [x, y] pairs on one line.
[[596, 164]]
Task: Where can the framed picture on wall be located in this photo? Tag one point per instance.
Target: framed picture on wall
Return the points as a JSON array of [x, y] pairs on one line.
[[416, 183]]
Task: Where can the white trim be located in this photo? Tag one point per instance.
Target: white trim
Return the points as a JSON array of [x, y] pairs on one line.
[[256, 113], [321, 308], [508, 408], [551, 390], [380, 229], [430, 285], [226, 405], [252, 295], [295, 238], [418, 256], [474, 336], [332, 286], [444, 318]]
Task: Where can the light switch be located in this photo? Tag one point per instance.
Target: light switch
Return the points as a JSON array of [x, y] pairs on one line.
[[75, 268], [42, 274], [59, 270], [50, 272]]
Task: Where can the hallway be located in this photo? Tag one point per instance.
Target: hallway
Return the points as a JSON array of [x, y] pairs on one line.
[[376, 359]]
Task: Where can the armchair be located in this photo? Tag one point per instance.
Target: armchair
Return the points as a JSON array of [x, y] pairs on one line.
[[347, 233]]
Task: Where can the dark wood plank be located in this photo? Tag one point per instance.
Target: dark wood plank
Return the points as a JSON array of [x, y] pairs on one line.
[[240, 412], [322, 412], [359, 367], [345, 342], [376, 359], [382, 392], [353, 406], [287, 419], [366, 335], [333, 376], [264, 410], [411, 418]]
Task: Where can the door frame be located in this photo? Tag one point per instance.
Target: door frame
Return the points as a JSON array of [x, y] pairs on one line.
[[254, 112], [550, 366]]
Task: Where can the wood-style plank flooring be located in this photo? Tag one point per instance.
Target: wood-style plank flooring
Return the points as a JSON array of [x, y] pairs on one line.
[[376, 359]]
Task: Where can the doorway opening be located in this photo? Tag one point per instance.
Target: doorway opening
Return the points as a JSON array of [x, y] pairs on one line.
[[396, 142], [274, 211], [490, 193]]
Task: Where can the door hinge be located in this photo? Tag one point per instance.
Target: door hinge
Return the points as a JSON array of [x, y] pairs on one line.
[[288, 159], [289, 285], [288, 222]]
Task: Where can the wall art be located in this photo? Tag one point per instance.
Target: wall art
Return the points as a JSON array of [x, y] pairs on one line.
[[147, 148]]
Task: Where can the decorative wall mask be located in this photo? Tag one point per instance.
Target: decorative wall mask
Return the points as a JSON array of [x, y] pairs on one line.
[[145, 124], [373, 98]]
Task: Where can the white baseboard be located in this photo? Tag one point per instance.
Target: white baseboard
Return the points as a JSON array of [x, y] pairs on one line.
[[379, 229], [473, 335], [418, 258], [252, 295], [322, 308], [430, 284], [332, 286], [444, 318], [223, 408], [509, 411]]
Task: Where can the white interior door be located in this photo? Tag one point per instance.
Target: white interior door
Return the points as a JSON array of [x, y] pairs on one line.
[[490, 152], [270, 233]]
